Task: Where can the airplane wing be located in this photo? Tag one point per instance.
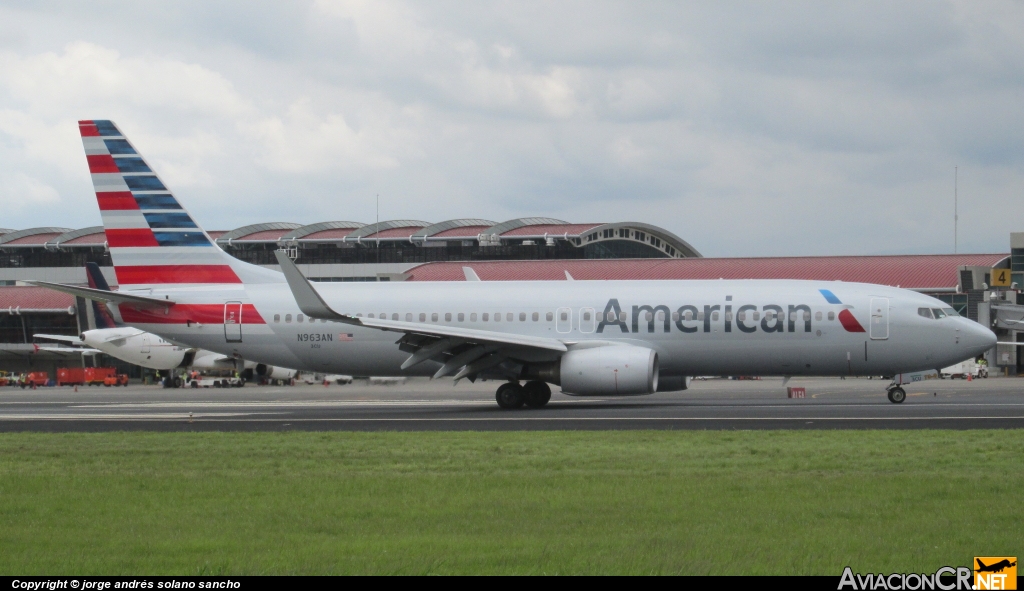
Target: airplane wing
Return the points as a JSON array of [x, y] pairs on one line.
[[115, 297], [59, 337], [466, 351], [1011, 343], [77, 351]]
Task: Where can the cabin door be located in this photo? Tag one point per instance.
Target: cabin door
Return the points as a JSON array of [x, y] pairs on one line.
[[233, 322]]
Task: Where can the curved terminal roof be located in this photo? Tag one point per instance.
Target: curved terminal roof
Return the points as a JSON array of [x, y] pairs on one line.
[[680, 247], [454, 228], [267, 232], [503, 227], [388, 229], [927, 272], [322, 231], [31, 236], [91, 236]]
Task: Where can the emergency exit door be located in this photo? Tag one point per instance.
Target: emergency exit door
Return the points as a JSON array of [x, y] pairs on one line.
[[233, 322], [879, 318]]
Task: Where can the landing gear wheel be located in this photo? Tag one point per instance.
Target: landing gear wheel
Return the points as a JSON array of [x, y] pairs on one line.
[[510, 396], [897, 395], [177, 382], [536, 394]]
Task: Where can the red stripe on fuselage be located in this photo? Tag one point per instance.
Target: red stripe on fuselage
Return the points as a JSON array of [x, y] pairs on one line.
[[116, 200], [101, 163], [186, 313], [136, 275], [849, 322], [130, 237]]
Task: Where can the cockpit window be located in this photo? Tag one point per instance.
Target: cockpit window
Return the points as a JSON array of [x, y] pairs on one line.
[[925, 312], [939, 313], [950, 312]]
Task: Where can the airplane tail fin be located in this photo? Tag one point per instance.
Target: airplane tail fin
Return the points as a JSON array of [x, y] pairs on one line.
[[104, 319], [153, 240]]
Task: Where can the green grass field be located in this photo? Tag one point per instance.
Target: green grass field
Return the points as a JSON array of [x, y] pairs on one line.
[[785, 502]]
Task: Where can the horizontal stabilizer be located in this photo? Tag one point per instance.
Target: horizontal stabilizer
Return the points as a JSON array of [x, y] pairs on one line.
[[115, 297], [59, 337]]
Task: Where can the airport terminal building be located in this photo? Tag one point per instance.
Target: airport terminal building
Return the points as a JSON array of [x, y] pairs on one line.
[[519, 249]]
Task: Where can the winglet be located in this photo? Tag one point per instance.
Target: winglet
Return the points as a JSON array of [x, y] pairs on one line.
[[305, 295], [470, 274]]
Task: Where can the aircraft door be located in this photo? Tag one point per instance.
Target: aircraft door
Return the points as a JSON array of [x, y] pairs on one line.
[[145, 343], [879, 318], [233, 322], [587, 316], [563, 320]]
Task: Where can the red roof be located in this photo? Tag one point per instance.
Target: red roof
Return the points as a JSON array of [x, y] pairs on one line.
[[34, 298], [910, 271], [395, 233], [97, 238], [337, 233], [265, 235], [463, 232], [552, 229], [34, 239], [215, 234]]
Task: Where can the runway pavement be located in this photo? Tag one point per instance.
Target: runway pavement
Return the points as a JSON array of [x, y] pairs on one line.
[[424, 405]]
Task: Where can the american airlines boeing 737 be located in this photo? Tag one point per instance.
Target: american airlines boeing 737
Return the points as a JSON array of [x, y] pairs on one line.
[[592, 338]]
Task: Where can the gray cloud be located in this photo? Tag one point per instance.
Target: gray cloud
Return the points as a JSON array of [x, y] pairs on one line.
[[746, 128]]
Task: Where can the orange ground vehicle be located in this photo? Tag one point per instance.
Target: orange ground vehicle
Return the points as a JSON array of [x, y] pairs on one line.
[[36, 378], [70, 376], [96, 376], [120, 379], [7, 378]]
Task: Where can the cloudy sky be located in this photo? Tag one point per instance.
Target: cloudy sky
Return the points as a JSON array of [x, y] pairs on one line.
[[760, 128]]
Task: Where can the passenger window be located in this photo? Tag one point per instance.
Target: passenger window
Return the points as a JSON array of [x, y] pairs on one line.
[[298, 318], [497, 316], [611, 316], [938, 313], [563, 316], [536, 316], [807, 316], [700, 315], [714, 316], [394, 316], [728, 316], [447, 316], [462, 317], [675, 316], [383, 316], [924, 313], [358, 315], [688, 315], [817, 316], [509, 316], [522, 317], [287, 317], [277, 318], [549, 316], [472, 317], [831, 316], [741, 316], [757, 315], [408, 316], [661, 316], [586, 315], [485, 316], [622, 316], [433, 317], [423, 317], [370, 315]]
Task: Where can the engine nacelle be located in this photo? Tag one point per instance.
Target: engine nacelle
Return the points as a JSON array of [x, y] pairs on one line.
[[609, 371], [274, 372], [673, 383]]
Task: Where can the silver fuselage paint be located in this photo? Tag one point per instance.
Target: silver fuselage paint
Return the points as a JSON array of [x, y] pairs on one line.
[[816, 347]]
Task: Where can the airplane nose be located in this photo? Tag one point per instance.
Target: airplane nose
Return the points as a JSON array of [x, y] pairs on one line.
[[978, 338]]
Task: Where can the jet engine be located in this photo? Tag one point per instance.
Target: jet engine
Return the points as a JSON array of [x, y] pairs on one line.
[[609, 371], [273, 372]]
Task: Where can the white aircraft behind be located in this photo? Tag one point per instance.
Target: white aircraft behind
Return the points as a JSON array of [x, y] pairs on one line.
[[593, 338]]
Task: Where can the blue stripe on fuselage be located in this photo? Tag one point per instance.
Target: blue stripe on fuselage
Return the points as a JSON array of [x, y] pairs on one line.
[[831, 297]]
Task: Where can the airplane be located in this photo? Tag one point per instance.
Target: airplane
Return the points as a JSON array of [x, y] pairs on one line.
[[592, 338], [994, 568], [149, 350]]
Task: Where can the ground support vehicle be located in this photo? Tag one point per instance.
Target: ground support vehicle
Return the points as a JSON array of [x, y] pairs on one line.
[[216, 382], [97, 376], [120, 379], [36, 378], [70, 376], [964, 369]]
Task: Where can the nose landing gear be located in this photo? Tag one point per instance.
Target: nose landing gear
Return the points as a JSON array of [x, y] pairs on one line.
[[897, 395], [534, 394]]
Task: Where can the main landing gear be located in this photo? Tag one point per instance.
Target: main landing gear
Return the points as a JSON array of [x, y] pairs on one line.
[[897, 394], [511, 395]]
